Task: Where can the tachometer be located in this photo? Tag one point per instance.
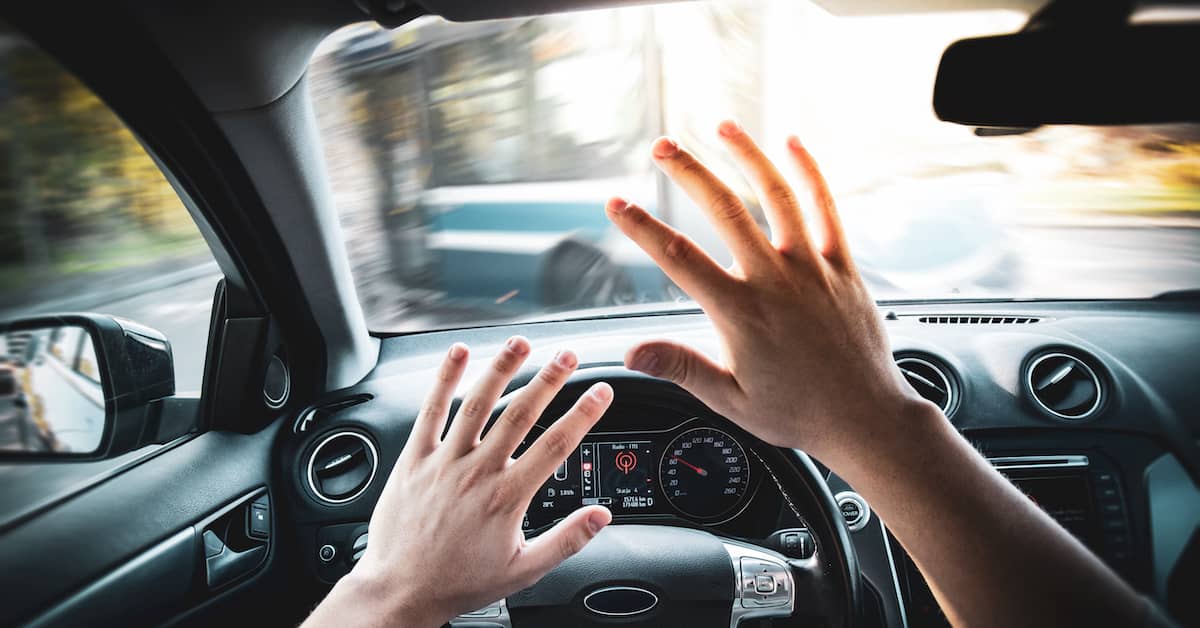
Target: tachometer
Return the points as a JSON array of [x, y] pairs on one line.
[[704, 473]]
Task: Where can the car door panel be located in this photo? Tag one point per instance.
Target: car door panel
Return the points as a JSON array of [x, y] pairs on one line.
[[167, 569], [96, 548], [31, 488]]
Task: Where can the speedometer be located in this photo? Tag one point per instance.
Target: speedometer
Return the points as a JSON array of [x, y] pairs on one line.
[[704, 473]]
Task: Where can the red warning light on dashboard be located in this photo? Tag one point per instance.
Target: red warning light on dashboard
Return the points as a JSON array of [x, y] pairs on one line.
[[626, 461]]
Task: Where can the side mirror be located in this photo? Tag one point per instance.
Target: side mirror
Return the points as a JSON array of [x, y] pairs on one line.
[[85, 386]]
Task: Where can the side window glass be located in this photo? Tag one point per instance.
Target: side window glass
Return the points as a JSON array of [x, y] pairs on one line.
[[89, 221]]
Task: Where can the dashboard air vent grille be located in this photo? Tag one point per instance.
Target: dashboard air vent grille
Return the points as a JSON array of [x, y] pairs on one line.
[[978, 320], [1064, 386], [931, 379], [341, 467]]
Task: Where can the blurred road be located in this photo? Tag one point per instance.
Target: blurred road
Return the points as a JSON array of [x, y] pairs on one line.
[[73, 407], [1107, 262], [1055, 261]]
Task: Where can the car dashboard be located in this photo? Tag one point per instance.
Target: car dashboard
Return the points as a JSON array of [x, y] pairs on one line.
[[1088, 407]]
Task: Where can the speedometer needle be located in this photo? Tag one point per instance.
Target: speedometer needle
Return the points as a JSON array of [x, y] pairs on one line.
[[691, 466]]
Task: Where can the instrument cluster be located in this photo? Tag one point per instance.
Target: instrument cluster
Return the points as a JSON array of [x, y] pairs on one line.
[[692, 471]]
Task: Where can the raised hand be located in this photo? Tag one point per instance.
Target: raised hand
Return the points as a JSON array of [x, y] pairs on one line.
[[805, 361], [446, 534]]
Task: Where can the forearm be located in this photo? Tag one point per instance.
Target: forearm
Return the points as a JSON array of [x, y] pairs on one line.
[[991, 556]]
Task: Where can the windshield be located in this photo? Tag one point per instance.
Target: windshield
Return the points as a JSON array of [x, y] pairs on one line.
[[470, 162]]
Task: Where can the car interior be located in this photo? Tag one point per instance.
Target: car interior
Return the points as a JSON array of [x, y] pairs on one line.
[[242, 494]]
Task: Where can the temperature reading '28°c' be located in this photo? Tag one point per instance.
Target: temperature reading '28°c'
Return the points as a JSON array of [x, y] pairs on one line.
[[704, 473]]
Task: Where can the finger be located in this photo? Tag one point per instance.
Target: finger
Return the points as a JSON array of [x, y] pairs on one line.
[[431, 420], [725, 210], [831, 239], [562, 541], [777, 198], [514, 423], [477, 405], [692, 370], [552, 447], [677, 255]]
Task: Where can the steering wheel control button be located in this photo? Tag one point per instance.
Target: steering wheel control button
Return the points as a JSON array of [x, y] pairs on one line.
[[794, 543], [327, 553], [491, 610], [764, 584], [766, 587], [494, 615], [854, 510]]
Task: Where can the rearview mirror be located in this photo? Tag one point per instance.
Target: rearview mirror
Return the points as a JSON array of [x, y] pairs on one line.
[[81, 385], [1125, 75]]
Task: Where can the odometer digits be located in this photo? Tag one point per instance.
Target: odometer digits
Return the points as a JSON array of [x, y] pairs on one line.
[[704, 473]]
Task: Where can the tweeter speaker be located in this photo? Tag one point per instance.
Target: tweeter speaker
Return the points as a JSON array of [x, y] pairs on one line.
[[277, 383]]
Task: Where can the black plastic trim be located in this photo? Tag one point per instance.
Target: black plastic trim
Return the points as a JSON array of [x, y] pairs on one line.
[[167, 569]]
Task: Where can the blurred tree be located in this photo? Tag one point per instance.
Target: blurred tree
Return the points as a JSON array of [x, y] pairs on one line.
[[74, 180]]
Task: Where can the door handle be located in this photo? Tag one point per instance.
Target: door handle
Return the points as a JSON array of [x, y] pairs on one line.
[[236, 539], [223, 564]]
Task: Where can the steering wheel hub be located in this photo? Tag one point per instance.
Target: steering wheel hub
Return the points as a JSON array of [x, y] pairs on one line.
[[649, 575]]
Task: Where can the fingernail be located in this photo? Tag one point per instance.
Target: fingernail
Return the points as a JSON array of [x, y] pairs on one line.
[[565, 358], [458, 351], [517, 344], [602, 391], [617, 206], [729, 128], [646, 361], [665, 147], [597, 520]]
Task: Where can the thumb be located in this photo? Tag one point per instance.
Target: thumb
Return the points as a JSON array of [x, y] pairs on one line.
[[564, 540], [692, 370]]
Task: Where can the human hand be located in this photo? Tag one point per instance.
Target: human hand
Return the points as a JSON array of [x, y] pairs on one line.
[[805, 361], [446, 533]]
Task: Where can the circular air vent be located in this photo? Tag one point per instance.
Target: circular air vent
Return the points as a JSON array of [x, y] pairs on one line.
[[931, 379], [341, 467], [1064, 386]]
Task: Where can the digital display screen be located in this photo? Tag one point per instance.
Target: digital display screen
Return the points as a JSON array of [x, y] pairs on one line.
[[694, 471], [1066, 498], [619, 475]]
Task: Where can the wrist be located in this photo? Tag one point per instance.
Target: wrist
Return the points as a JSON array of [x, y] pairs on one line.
[[363, 599], [905, 431]]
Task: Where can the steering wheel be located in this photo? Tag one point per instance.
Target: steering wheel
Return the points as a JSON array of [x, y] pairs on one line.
[[668, 575]]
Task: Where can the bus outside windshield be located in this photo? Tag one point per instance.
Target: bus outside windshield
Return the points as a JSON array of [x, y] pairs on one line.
[[471, 161]]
